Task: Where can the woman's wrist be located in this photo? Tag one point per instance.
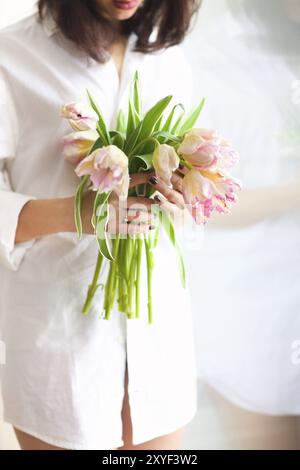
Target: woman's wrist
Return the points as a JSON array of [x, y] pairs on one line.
[[64, 208], [40, 217]]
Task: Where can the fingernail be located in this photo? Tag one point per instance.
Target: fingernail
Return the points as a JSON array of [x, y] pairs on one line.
[[153, 180]]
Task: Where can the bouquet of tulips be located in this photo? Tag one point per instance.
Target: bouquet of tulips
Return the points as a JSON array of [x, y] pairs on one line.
[[161, 140]]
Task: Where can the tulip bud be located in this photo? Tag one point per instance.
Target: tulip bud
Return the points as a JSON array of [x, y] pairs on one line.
[[165, 161], [80, 116]]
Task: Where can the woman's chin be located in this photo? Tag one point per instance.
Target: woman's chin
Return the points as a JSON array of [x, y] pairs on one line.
[[122, 16]]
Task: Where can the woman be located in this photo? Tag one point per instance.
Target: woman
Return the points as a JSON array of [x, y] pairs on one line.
[[68, 378]]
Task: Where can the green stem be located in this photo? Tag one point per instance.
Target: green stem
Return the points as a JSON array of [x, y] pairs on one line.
[[128, 253], [132, 280], [138, 276], [122, 273], [93, 286], [110, 284], [149, 258]]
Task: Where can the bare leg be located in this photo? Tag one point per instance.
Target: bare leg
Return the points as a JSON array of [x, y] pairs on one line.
[[28, 442], [171, 441]]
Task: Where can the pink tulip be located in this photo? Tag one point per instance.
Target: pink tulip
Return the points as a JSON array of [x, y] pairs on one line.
[[207, 191], [225, 189], [77, 145], [205, 149], [108, 170], [228, 157], [80, 116], [165, 161], [197, 193]]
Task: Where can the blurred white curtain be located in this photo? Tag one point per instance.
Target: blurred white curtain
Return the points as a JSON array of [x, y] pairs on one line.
[[12, 10], [246, 281]]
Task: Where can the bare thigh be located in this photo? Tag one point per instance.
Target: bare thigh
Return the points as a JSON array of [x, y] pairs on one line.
[[171, 441], [28, 442]]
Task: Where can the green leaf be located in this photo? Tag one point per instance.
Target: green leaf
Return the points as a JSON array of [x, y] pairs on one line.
[[178, 122], [78, 204], [141, 163], [145, 127], [158, 124], [97, 145], [152, 116], [156, 236], [132, 119], [100, 198], [167, 126], [134, 106], [168, 226], [145, 146], [192, 118], [182, 271], [103, 242], [100, 221], [164, 137], [118, 139], [121, 122], [101, 127], [132, 139], [137, 95]]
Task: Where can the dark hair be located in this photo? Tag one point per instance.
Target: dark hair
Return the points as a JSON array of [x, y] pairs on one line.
[[81, 22]]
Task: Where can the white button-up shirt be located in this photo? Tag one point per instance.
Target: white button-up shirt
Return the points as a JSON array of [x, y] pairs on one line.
[[64, 377]]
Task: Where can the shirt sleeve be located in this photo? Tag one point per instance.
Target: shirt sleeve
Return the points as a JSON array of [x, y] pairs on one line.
[[11, 203]]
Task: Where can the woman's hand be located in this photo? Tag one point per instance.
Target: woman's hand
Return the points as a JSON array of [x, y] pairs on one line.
[[137, 215], [49, 216], [171, 199], [172, 195], [133, 216]]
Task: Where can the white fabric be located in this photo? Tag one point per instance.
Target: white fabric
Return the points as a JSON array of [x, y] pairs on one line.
[[248, 305], [64, 377]]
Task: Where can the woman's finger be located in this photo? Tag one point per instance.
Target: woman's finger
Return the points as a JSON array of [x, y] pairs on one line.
[[139, 217], [139, 203], [135, 229], [139, 178], [177, 182], [170, 194], [134, 216], [129, 229], [182, 170]]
